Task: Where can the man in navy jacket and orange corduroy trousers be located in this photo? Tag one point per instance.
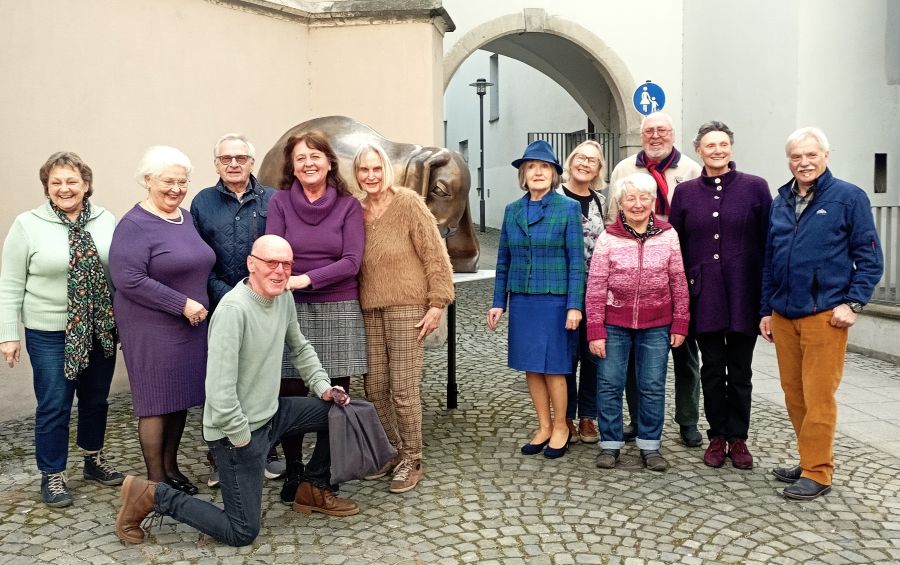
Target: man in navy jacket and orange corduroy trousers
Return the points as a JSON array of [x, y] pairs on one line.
[[823, 260]]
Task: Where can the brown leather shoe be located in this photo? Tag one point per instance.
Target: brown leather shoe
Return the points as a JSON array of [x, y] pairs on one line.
[[587, 429], [138, 499], [313, 499], [573, 431]]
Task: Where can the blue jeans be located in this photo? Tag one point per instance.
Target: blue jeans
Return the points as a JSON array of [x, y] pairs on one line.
[[54, 393], [583, 393], [651, 348], [241, 474]]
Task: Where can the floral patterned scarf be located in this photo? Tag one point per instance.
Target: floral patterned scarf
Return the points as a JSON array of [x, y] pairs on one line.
[[89, 312], [651, 229]]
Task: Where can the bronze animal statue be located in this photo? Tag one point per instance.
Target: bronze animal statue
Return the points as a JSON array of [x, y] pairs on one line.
[[441, 176]]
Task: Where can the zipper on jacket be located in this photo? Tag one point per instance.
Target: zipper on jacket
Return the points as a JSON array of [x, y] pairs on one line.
[[637, 291], [815, 290]]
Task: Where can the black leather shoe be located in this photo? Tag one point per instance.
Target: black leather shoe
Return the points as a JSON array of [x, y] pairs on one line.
[[555, 453], [805, 489], [629, 432], [534, 448], [787, 474], [182, 484], [691, 437]]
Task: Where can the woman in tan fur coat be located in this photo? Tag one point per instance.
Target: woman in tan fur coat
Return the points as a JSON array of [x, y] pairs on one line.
[[405, 283]]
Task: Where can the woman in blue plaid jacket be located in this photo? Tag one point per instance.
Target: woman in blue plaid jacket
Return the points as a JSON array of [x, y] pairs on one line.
[[540, 272]]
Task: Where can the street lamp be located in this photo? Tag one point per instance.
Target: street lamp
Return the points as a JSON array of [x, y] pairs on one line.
[[480, 88]]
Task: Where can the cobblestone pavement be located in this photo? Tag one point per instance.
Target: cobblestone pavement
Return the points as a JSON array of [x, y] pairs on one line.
[[483, 502]]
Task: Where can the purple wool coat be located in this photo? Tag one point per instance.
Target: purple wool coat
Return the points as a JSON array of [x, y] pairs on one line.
[[722, 224]]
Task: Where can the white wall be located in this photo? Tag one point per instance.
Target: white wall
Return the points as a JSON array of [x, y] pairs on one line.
[[778, 66], [743, 74], [529, 102]]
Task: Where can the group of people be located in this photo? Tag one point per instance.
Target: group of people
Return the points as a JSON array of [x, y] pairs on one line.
[[694, 259], [245, 304], [257, 297]]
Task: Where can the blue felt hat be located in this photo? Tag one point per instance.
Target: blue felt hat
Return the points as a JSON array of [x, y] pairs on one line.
[[539, 150]]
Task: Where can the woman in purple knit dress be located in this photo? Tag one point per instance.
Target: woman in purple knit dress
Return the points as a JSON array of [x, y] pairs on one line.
[[722, 219], [315, 212], [160, 265]]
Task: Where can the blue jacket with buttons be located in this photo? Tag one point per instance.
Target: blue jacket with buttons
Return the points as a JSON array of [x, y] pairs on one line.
[[831, 255], [230, 227]]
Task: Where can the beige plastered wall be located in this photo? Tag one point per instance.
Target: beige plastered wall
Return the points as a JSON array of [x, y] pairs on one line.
[[108, 78]]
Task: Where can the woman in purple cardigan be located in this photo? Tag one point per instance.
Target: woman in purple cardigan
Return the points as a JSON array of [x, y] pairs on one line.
[[722, 219], [160, 266], [315, 212]]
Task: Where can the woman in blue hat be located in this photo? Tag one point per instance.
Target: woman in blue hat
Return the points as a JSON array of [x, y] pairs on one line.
[[540, 274]]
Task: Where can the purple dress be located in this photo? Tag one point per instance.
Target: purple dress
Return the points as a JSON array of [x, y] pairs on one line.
[[156, 266]]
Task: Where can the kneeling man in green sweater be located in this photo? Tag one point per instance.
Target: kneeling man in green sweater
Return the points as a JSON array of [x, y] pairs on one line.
[[244, 416]]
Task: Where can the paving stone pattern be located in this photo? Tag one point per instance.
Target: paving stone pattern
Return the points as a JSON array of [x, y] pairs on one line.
[[482, 502]]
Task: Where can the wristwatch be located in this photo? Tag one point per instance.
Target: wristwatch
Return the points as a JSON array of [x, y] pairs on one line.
[[855, 306]]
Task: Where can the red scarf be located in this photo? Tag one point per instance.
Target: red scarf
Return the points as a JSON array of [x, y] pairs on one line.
[[657, 170]]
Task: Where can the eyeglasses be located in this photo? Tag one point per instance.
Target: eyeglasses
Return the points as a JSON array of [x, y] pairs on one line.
[[632, 199], [227, 159], [580, 159], [273, 264], [662, 132], [172, 183]]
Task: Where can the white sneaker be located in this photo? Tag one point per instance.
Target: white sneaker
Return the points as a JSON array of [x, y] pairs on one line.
[[275, 469]]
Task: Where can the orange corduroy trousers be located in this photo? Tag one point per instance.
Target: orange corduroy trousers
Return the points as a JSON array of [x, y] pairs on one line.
[[810, 355]]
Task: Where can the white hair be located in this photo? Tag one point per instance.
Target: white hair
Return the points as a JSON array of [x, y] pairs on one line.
[[642, 182], [387, 169], [662, 115], [157, 158], [251, 151], [803, 134]]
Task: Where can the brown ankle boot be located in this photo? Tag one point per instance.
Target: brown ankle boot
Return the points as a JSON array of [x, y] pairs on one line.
[[138, 500], [313, 499]]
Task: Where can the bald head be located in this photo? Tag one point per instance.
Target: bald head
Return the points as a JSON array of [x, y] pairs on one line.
[[271, 243], [269, 264]]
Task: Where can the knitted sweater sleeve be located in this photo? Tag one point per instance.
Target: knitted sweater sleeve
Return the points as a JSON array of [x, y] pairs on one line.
[[597, 288], [433, 254], [223, 408], [12, 281], [275, 215], [681, 314], [129, 266], [354, 236]]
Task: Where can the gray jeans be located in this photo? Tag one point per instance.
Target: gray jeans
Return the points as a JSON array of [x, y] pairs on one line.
[[241, 474]]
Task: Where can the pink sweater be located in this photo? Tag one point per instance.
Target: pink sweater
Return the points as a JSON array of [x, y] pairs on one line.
[[636, 285]]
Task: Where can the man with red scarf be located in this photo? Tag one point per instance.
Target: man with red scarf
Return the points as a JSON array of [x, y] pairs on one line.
[[668, 167]]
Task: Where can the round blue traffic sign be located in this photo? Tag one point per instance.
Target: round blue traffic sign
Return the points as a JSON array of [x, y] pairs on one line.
[[648, 98]]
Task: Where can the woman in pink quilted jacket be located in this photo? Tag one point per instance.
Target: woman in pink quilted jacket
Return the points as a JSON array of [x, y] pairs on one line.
[[637, 298]]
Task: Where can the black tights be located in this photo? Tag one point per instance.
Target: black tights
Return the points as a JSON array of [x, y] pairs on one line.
[[160, 437]]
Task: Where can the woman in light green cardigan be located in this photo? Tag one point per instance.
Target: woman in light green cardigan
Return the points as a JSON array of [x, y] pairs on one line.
[[55, 281]]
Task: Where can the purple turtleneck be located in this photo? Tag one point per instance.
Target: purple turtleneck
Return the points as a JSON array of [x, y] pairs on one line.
[[328, 238]]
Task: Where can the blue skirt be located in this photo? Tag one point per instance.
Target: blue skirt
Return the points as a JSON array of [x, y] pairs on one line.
[[538, 339]]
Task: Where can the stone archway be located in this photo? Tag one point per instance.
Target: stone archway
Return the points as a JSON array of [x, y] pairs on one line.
[[579, 61]]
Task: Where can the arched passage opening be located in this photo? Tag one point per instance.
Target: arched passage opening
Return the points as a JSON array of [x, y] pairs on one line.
[[585, 72]]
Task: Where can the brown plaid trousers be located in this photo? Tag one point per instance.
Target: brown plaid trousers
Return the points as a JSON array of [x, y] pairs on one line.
[[395, 374]]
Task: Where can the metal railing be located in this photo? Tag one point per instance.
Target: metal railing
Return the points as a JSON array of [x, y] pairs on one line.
[[887, 222], [564, 143]]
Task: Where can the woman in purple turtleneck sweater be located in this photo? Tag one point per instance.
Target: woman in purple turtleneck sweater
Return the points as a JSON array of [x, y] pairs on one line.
[[722, 219], [315, 212]]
